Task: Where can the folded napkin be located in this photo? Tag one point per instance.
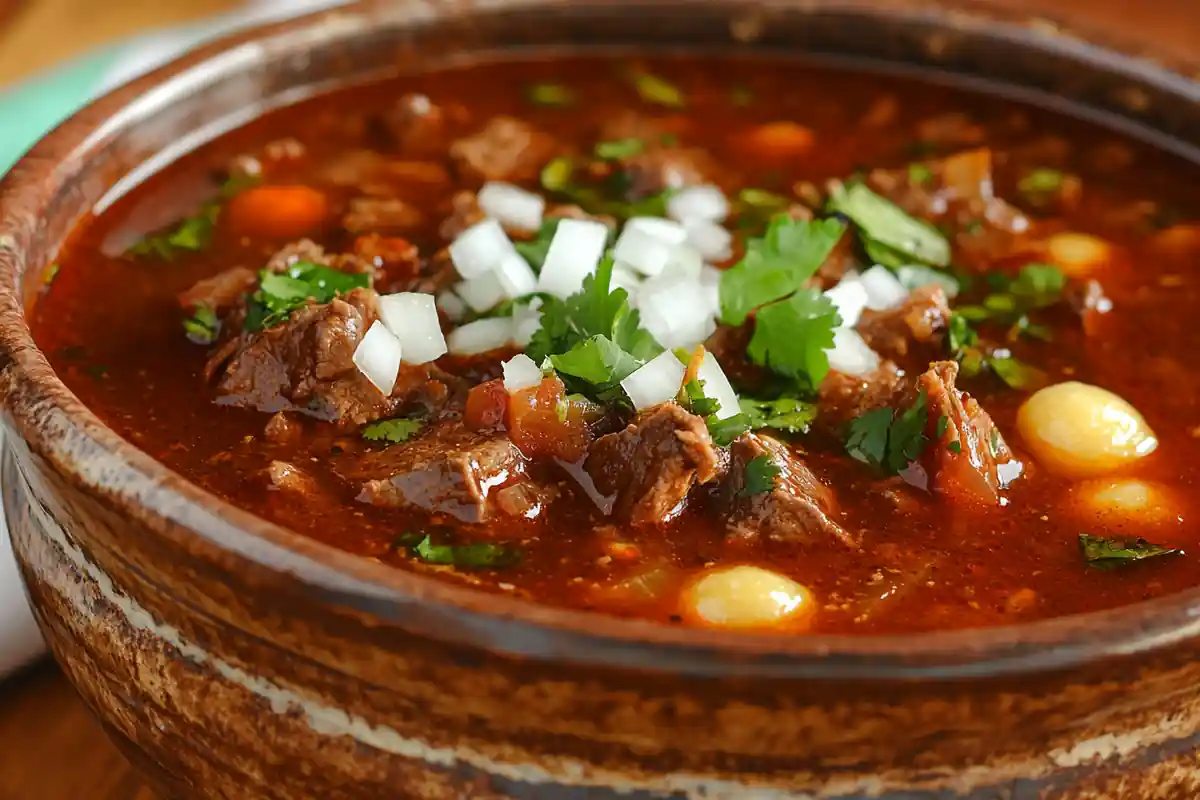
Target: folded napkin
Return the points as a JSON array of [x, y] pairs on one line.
[[29, 110]]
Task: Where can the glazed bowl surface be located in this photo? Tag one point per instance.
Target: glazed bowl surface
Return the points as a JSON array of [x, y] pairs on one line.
[[231, 658]]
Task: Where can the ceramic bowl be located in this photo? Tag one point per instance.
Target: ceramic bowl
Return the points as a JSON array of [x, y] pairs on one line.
[[230, 658]]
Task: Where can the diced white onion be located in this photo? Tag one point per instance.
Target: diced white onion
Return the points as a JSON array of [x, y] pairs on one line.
[[521, 372], [481, 293], [711, 241], [676, 314], [479, 249], [666, 229], [698, 203], [527, 319], [685, 264], [916, 277], [849, 297], [623, 278], [641, 251], [413, 319], [512, 206], [517, 278], [481, 336], [884, 291], [451, 305], [656, 381], [710, 281], [718, 387], [574, 253], [851, 355], [378, 357]]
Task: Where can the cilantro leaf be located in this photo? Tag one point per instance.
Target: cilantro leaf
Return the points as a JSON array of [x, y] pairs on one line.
[[191, 234], [202, 326], [919, 173], [694, 400], [723, 432], [392, 431], [776, 265], [471, 556], [1041, 180], [784, 414], [1015, 373], [597, 361], [534, 251], [887, 440], [658, 91], [880, 220], [279, 294], [1107, 554], [550, 95], [791, 337], [556, 175], [1038, 285], [619, 149], [760, 476]]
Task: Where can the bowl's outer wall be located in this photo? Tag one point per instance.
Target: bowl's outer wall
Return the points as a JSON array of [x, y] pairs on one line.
[[226, 673]]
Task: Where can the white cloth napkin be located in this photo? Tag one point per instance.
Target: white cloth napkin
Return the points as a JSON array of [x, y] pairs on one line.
[[20, 641]]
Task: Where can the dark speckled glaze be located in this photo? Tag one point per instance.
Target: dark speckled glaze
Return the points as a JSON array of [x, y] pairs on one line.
[[232, 659]]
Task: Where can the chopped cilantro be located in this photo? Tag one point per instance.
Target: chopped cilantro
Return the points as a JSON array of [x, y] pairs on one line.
[[959, 333], [882, 221], [1042, 180], [597, 361], [694, 400], [887, 440], [279, 294], [919, 173], [202, 326], [556, 175], [791, 337], [534, 251], [1015, 373], [471, 556], [392, 431], [1103, 553], [724, 431], [955, 447], [1038, 285], [658, 91], [784, 414], [760, 476], [50, 275], [761, 198], [190, 234], [619, 149], [776, 265], [741, 96], [550, 95]]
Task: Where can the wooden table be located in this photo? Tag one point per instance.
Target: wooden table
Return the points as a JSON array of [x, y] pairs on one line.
[[50, 746]]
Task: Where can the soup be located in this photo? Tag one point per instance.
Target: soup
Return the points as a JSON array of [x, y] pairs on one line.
[[711, 341]]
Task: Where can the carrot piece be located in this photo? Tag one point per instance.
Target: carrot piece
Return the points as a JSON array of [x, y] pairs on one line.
[[780, 139], [280, 211]]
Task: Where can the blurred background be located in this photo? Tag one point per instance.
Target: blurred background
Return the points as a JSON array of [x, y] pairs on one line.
[[54, 56]]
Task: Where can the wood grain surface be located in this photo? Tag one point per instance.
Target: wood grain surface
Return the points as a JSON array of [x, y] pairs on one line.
[[51, 748]]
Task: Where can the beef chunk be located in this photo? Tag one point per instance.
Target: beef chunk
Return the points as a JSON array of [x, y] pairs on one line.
[[911, 333], [526, 499], [288, 477], [842, 398], [970, 462], [282, 428], [380, 214], [841, 259], [507, 149], [649, 468], [797, 510], [221, 291], [305, 364], [465, 212], [447, 470], [418, 126]]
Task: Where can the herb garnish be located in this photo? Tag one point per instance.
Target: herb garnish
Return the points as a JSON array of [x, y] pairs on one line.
[[556, 175], [1040, 181], [190, 234], [202, 326], [658, 91], [692, 397], [50, 274], [534, 251], [760, 476], [973, 358], [392, 431], [471, 556], [776, 264], [792, 337], [551, 95], [619, 149], [783, 414], [741, 96], [279, 294], [1038, 286], [887, 230], [919, 173], [887, 440], [1108, 554]]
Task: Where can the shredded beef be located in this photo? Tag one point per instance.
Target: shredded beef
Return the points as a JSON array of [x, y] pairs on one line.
[[911, 333], [447, 470], [507, 149], [650, 467], [221, 291], [305, 364]]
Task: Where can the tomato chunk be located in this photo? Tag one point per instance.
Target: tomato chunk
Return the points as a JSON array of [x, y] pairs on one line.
[[487, 404], [545, 421], [279, 211]]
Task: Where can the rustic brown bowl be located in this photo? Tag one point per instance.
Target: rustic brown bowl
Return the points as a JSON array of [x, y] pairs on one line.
[[230, 658]]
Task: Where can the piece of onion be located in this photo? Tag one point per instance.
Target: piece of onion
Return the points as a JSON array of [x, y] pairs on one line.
[[883, 289], [642, 252], [451, 305], [481, 293], [851, 355], [413, 319], [527, 319], [481, 336], [656, 381], [710, 280], [521, 372], [512, 206], [710, 240], [698, 203], [516, 277], [718, 387], [479, 249], [378, 357], [624, 278], [668, 230], [676, 314], [574, 253], [849, 297]]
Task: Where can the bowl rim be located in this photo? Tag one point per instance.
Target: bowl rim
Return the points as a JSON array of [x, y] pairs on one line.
[[500, 623]]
